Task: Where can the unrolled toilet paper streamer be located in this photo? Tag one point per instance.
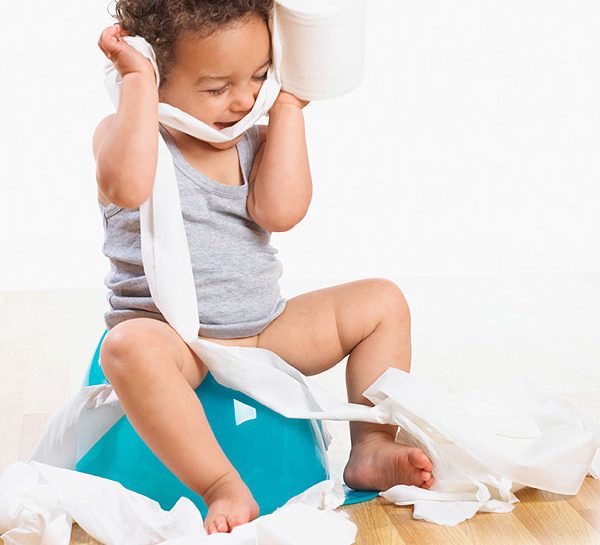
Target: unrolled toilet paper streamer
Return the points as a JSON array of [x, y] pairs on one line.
[[484, 446]]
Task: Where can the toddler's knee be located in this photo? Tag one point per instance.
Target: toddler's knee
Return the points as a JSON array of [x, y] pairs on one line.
[[121, 349], [391, 299]]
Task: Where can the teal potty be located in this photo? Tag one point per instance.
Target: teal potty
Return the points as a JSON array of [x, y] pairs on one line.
[[277, 457]]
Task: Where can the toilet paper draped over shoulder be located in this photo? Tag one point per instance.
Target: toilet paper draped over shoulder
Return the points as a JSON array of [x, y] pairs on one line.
[[318, 52]]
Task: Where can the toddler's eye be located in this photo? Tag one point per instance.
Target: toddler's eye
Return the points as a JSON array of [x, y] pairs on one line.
[[217, 91], [221, 90], [262, 77]]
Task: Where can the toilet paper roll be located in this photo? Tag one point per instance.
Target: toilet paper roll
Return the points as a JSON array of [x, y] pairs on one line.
[[317, 53], [323, 44]]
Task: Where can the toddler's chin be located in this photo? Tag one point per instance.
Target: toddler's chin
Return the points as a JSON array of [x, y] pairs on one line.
[[226, 145]]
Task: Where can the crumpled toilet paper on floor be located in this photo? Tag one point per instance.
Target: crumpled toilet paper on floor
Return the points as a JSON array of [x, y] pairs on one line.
[[39, 503]]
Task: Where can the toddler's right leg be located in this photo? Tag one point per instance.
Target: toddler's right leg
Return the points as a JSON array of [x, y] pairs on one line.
[[155, 374]]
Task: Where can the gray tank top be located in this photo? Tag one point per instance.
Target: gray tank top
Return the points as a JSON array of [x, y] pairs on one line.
[[235, 268]]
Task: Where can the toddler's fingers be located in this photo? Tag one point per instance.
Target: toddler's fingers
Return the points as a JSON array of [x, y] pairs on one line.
[[110, 40], [105, 40]]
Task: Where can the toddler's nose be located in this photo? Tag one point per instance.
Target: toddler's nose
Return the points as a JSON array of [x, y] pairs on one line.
[[243, 100]]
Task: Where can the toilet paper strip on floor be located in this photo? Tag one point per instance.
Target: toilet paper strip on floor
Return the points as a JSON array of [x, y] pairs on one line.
[[484, 444]]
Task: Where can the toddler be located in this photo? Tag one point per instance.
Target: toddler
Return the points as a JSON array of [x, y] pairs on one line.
[[213, 56]]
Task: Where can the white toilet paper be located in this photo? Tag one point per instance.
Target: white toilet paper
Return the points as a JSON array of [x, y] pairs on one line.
[[39, 503], [178, 119], [323, 45], [317, 52]]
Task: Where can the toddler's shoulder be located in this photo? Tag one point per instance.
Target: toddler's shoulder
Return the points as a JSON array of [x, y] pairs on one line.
[[101, 132]]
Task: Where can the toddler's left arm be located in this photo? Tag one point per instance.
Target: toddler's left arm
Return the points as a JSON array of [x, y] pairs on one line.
[[280, 186]]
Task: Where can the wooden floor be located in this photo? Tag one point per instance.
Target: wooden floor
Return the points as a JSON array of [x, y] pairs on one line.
[[544, 328], [540, 518]]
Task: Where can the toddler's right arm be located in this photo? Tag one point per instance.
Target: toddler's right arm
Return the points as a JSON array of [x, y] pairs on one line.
[[126, 143]]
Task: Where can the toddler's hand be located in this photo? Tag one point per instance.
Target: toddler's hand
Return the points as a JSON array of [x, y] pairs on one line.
[[287, 98], [125, 58]]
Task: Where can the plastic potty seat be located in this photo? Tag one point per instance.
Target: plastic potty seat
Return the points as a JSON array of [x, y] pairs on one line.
[[277, 457]]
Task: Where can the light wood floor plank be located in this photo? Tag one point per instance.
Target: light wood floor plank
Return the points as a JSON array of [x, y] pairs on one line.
[[373, 524], [588, 497], [593, 518], [554, 521], [416, 532], [79, 537], [498, 529]]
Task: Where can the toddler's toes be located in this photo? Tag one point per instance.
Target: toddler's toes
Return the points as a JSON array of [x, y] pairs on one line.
[[218, 525], [221, 523], [418, 458], [428, 483]]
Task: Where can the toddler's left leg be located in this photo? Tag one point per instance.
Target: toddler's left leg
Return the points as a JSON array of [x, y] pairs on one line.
[[368, 320]]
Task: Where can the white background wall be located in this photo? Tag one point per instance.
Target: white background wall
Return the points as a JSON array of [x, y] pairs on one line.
[[472, 147]]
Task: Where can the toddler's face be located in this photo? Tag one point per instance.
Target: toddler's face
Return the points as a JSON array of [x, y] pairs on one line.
[[217, 78]]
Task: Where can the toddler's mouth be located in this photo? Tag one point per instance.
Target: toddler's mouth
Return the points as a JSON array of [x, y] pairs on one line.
[[221, 126]]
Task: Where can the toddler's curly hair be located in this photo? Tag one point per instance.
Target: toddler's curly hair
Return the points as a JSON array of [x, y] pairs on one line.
[[162, 22]]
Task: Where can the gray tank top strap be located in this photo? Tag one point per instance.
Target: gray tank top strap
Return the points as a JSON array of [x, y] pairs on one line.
[[246, 148]]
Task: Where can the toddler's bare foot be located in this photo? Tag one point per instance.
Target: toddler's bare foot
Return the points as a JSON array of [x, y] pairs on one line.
[[377, 463], [230, 503]]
